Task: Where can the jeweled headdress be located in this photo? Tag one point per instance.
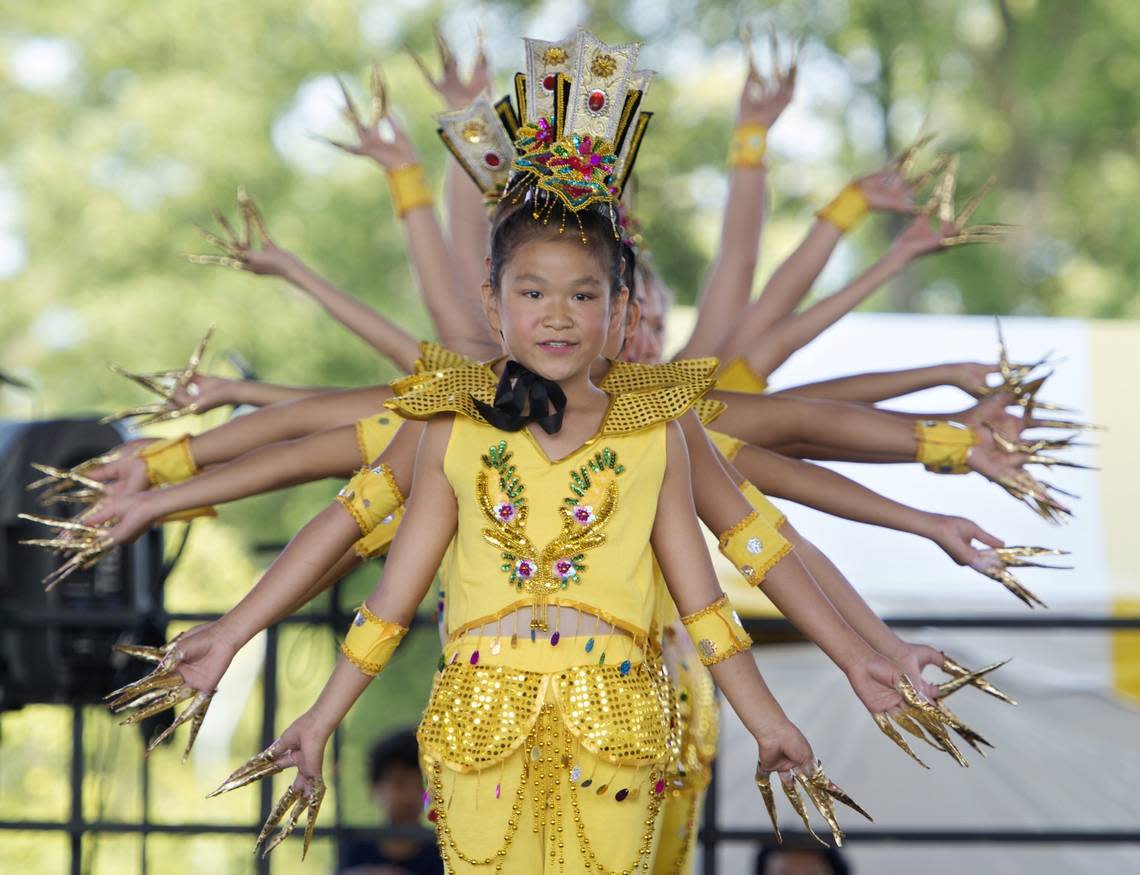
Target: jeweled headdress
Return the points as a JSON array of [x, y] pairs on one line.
[[575, 135]]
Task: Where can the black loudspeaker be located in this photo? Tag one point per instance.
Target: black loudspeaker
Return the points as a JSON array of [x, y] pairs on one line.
[[55, 647]]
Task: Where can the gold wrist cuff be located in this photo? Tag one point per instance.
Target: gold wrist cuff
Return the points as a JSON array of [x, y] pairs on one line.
[[848, 207], [944, 447], [771, 514], [409, 189], [377, 542], [716, 632], [181, 516], [371, 496], [754, 547], [371, 641], [748, 146], [169, 461]]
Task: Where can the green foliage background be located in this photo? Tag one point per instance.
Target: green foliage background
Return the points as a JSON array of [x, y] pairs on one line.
[[168, 106]]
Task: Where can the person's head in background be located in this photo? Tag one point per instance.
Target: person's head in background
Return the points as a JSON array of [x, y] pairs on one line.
[[654, 298], [804, 860], [397, 785]]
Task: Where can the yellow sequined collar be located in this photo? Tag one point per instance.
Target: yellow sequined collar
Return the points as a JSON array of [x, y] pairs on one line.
[[642, 395]]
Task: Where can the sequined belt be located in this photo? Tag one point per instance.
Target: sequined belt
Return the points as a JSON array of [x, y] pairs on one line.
[[478, 715]]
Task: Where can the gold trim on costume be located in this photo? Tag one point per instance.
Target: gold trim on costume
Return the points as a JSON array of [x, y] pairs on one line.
[[754, 547], [371, 641], [716, 631], [944, 447], [409, 189]]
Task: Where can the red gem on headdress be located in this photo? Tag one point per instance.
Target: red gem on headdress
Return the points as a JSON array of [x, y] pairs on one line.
[[596, 102], [548, 82], [492, 159], [585, 146]]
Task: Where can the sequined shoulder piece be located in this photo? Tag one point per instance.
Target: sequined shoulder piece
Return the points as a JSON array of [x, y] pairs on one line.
[[708, 409], [637, 377], [659, 393], [434, 357], [446, 391]]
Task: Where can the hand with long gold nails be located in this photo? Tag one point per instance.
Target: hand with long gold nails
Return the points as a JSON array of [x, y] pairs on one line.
[[187, 670], [1006, 468], [451, 86], [125, 517], [379, 137], [166, 385], [821, 791], [81, 545], [996, 563], [70, 486], [763, 100], [928, 719], [302, 745], [915, 658], [251, 249], [954, 222]]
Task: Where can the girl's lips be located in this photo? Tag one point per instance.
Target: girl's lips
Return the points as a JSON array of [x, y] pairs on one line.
[[558, 347]]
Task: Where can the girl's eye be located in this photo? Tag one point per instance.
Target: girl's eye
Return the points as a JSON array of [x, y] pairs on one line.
[[583, 296], [532, 293]]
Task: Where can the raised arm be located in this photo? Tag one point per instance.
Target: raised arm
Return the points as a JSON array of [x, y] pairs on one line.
[[256, 252], [458, 317], [729, 283], [790, 282]]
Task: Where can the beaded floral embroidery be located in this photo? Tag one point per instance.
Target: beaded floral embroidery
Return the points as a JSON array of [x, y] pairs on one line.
[[543, 572]]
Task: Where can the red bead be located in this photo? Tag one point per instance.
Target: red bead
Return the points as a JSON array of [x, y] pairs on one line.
[[492, 159], [548, 82], [596, 102], [659, 787]]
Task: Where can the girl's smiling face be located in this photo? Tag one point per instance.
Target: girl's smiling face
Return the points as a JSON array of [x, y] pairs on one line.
[[554, 305]]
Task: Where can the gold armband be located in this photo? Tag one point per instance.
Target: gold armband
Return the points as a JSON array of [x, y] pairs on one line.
[[371, 641], [716, 632], [181, 516], [737, 376], [377, 542], [771, 514], [944, 447], [754, 547], [169, 461], [848, 207], [748, 146], [409, 189], [371, 496]]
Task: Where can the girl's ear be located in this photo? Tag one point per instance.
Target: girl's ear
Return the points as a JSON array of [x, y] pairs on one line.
[[619, 310], [491, 306]]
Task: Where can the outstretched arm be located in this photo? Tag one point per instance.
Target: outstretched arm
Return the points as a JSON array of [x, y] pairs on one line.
[[729, 283], [872, 388]]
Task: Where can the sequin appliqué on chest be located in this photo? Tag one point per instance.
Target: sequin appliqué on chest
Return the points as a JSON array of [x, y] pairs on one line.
[[585, 513]]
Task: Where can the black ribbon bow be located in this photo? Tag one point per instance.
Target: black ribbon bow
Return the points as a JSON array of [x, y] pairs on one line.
[[522, 389]]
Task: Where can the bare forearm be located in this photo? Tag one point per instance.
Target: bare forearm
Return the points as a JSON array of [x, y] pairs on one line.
[[468, 230], [779, 342], [729, 283], [347, 563], [872, 387], [285, 421], [770, 422], [785, 289], [381, 334], [258, 394], [826, 490]]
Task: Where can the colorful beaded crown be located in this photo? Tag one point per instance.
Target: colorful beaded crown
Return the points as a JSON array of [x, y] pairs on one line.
[[576, 132]]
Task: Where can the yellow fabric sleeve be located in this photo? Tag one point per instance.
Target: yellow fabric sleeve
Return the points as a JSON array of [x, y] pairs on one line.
[[371, 641], [169, 461], [944, 447], [716, 632], [409, 189], [748, 146], [846, 209], [736, 376], [377, 542], [771, 514], [728, 445], [754, 547], [374, 433], [370, 496]]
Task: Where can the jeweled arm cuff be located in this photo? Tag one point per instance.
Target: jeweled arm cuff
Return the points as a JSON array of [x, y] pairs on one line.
[[748, 146], [377, 542], [754, 547], [846, 209], [169, 461], [716, 632], [371, 496], [371, 641], [944, 447], [409, 189]]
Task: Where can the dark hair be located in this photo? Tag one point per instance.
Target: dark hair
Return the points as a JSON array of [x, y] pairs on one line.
[[531, 217], [836, 864], [398, 749]]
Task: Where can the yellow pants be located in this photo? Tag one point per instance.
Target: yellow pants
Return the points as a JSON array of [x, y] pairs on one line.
[[550, 806], [680, 824]]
